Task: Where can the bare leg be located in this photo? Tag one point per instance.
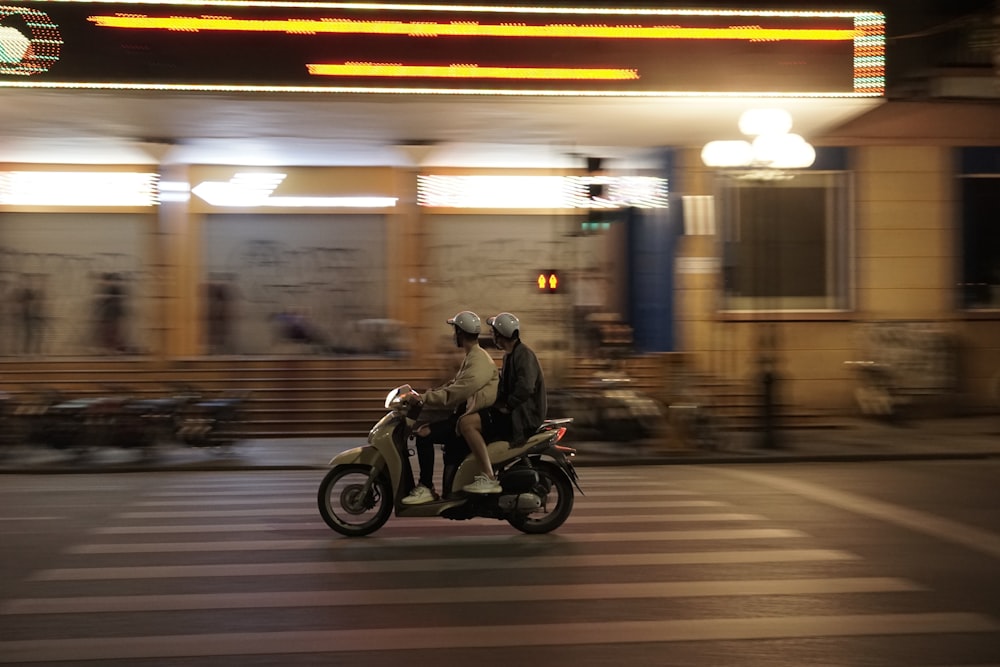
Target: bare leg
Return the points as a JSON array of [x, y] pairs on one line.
[[471, 428]]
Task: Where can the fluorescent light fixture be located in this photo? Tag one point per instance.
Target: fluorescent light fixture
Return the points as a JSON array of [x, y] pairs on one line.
[[78, 188], [174, 191], [331, 202], [539, 192], [255, 189]]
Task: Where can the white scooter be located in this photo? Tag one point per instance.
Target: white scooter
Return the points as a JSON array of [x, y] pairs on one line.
[[366, 484]]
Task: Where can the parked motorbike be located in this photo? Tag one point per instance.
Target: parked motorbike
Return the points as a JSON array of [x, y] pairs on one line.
[[8, 432], [205, 421], [118, 418], [610, 408], [50, 418], [123, 419], [878, 392], [365, 485]]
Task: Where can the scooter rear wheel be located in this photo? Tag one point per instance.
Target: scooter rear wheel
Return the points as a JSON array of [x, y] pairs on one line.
[[346, 508], [556, 492]]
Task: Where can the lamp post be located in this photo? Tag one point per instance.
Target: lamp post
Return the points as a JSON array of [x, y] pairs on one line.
[[769, 155]]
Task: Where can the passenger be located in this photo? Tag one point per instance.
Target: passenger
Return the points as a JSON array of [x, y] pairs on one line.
[[473, 388], [521, 402]]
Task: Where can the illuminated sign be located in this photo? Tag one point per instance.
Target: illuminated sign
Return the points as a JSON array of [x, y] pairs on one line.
[[255, 190], [229, 45]]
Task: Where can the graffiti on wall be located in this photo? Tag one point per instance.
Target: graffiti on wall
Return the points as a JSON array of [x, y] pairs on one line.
[[496, 270], [287, 298], [921, 357], [63, 304]]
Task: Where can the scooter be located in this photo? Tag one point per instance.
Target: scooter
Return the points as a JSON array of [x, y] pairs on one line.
[[365, 485]]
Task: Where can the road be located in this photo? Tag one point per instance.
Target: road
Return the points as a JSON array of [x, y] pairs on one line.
[[825, 564]]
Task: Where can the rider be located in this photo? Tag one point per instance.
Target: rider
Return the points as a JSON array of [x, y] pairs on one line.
[[473, 388], [520, 406]]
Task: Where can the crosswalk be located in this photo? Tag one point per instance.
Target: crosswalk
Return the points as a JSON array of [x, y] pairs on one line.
[[233, 565]]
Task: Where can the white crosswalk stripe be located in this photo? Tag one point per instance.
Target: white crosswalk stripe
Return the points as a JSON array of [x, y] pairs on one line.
[[439, 565], [342, 598], [302, 545], [232, 545], [617, 520], [552, 634]]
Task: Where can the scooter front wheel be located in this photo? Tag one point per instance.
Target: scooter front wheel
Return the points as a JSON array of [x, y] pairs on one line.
[[347, 508]]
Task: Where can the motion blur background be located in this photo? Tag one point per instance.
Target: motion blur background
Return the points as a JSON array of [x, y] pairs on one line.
[[157, 235]]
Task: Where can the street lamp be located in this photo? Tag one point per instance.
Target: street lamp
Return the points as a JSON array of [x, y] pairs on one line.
[[771, 151]]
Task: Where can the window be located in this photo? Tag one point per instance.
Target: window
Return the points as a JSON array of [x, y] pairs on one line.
[[785, 241], [979, 196]]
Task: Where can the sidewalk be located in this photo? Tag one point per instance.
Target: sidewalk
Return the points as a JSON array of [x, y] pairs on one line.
[[854, 440]]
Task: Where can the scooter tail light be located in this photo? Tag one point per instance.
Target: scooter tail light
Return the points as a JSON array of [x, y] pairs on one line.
[[560, 432]]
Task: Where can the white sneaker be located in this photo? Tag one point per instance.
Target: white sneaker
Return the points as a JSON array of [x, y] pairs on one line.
[[419, 496], [483, 484]]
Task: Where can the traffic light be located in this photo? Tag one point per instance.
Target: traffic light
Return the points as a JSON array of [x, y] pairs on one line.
[[548, 281]]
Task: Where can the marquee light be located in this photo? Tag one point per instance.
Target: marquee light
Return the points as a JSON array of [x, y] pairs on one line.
[[255, 189], [464, 29], [32, 53], [78, 188], [812, 53], [471, 71]]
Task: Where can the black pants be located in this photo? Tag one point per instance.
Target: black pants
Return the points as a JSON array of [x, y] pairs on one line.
[[455, 449]]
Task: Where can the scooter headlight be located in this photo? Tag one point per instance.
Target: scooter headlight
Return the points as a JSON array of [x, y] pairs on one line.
[[399, 398]]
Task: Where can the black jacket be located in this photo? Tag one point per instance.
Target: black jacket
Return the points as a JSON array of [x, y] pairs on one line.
[[522, 391]]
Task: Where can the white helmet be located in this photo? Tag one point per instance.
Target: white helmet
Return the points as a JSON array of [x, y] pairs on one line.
[[467, 321], [505, 324]]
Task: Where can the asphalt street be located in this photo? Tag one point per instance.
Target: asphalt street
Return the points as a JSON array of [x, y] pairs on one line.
[[886, 564]]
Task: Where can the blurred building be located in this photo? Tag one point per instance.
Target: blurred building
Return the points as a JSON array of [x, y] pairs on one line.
[[261, 210]]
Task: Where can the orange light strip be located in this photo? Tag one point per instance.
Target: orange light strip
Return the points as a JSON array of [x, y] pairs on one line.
[[463, 29], [470, 71]]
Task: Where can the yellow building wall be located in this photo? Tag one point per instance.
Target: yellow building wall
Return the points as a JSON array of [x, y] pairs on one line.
[[905, 258], [905, 232]]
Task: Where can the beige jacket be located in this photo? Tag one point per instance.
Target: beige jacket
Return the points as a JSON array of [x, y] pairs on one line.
[[475, 385]]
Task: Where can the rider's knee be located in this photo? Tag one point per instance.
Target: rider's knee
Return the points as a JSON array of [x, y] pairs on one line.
[[469, 424]]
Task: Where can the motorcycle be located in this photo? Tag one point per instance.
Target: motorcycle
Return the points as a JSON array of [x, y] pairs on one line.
[[205, 421], [365, 485], [610, 409], [117, 419]]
